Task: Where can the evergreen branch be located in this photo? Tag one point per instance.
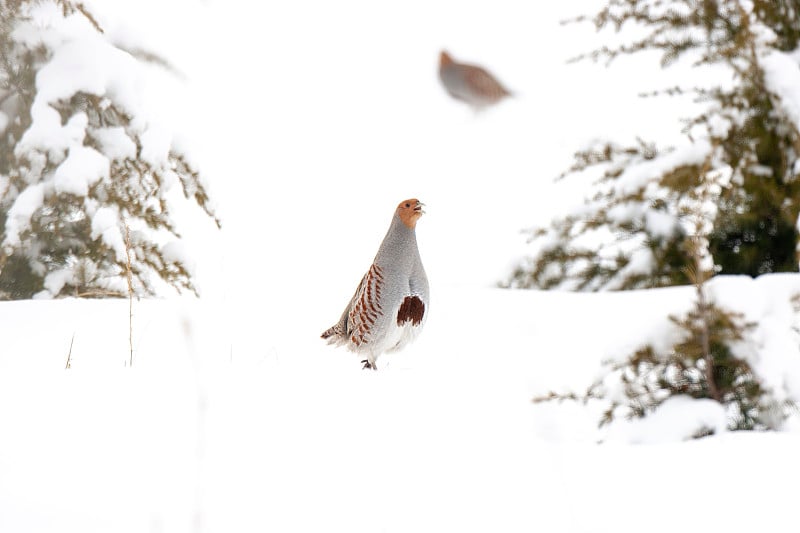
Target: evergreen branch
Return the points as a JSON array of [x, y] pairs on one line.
[[85, 12], [98, 293], [153, 58]]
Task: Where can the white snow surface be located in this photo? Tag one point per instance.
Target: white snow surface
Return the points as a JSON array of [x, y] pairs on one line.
[[236, 417], [106, 225], [115, 143], [19, 215], [782, 75], [83, 167], [678, 418]]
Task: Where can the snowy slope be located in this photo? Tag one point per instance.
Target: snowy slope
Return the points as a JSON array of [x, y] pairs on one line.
[[312, 121], [290, 436]]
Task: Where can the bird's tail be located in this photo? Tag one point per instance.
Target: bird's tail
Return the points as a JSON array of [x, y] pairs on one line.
[[333, 335]]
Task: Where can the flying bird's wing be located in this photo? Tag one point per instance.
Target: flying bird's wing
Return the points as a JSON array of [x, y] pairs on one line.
[[484, 83]]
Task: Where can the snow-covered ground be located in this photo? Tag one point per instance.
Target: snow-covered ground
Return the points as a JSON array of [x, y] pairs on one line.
[[312, 121]]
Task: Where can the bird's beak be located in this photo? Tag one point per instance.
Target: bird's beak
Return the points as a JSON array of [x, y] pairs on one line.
[[418, 208]]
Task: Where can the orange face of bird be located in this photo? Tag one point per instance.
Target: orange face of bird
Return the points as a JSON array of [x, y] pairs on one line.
[[409, 212], [444, 58]]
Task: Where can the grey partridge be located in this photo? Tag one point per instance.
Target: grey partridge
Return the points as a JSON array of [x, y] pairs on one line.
[[470, 83], [390, 305]]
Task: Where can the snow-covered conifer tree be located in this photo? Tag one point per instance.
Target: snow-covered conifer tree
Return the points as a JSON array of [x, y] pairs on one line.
[[629, 233], [710, 353], [727, 200], [83, 163]]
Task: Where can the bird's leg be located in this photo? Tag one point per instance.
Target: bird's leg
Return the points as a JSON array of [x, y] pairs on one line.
[[368, 363]]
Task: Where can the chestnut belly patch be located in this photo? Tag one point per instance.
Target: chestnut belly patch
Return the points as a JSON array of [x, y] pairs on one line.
[[411, 310]]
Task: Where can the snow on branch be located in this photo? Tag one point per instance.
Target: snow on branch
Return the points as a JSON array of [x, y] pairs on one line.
[[86, 157]]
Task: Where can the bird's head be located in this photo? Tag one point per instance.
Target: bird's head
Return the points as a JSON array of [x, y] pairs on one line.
[[409, 212], [445, 59]]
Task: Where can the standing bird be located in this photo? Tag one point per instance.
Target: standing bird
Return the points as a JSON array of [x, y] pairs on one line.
[[390, 305], [470, 83]]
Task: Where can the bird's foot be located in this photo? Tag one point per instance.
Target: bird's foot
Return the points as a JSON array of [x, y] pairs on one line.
[[368, 364]]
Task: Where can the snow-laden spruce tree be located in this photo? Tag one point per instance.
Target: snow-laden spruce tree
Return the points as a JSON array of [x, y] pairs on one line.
[[87, 177], [726, 200], [629, 233], [707, 354]]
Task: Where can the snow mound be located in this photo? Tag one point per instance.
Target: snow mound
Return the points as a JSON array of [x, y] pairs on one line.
[[678, 418]]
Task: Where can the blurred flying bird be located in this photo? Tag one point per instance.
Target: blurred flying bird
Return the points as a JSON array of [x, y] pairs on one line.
[[470, 83]]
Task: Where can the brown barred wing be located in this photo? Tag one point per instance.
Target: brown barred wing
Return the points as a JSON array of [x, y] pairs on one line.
[[366, 308], [483, 85]]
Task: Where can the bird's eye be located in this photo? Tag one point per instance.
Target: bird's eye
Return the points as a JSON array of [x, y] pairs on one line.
[[408, 204]]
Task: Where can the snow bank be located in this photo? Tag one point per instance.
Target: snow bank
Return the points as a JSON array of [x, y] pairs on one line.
[[233, 434], [679, 418]]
